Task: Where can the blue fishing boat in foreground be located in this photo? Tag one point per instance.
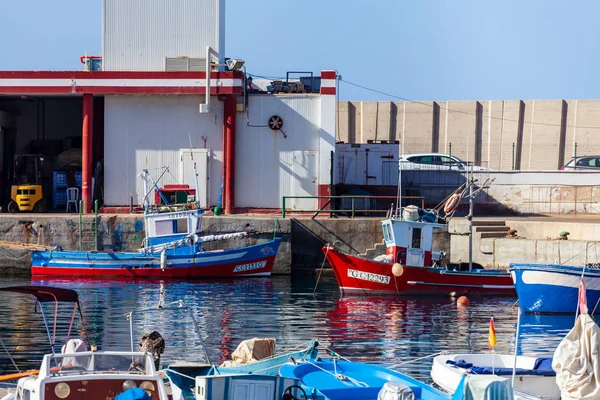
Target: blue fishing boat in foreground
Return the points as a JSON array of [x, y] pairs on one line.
[[346, 380], [553, 288]]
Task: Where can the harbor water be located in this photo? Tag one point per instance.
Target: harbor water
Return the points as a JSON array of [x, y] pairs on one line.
[[379, 330]]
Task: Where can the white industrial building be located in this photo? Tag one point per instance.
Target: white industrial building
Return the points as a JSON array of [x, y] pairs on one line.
[[149, 102]]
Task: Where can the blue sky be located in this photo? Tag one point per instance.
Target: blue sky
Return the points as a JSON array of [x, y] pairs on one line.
[[420, 49]]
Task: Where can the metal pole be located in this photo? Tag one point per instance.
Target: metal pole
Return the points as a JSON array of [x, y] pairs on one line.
[[47, 328], [470, 221], [516, 347], [131, 330], [283, 207], [353, 209], [575, 156], [331, 203], [96, 225], [80, 222], [450, 149], [513, 156]]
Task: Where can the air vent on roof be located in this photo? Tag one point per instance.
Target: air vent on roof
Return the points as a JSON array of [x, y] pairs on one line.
[[184, 64]]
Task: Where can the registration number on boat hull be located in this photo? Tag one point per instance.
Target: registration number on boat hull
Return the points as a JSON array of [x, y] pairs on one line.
[[368, 276], [251, 266]]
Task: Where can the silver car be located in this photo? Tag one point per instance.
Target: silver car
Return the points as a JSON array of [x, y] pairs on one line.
[[583, 163], [435, 161]]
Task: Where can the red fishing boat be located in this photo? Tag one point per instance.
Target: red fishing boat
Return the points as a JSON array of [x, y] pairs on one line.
[[410, 266]]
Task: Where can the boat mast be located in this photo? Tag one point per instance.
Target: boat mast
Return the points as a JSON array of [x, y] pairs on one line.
[[399, 194], [196, 197], [470, 219]]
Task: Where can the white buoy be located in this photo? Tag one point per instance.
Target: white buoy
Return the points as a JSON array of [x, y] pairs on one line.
[[397, 269], [163, 260]]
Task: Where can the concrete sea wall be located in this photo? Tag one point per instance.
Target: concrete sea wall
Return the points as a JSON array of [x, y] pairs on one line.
[[536, 242]]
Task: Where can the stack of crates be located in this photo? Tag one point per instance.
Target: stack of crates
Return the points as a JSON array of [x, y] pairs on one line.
[[60, 186]]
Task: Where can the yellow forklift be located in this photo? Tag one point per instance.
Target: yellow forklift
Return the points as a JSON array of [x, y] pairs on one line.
[[26, 193]]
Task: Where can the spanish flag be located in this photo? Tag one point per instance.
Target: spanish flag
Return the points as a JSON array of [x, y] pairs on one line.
[[492, 335]]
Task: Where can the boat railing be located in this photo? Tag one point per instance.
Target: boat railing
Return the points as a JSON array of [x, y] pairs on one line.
[[330, 205]]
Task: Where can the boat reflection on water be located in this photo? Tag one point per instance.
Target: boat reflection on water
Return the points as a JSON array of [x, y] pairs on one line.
[[223, 325]]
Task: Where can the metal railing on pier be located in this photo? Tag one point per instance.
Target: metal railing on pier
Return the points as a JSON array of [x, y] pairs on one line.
[[350, 209]]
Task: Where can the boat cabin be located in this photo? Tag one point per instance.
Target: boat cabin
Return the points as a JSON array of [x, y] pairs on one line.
[[92, 375], [409, 242], [171, 226]]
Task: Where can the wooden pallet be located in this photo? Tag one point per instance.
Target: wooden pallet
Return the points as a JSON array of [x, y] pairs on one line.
[[24, 246]]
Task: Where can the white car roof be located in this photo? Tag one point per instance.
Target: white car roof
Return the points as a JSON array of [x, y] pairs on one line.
[[426, 154]]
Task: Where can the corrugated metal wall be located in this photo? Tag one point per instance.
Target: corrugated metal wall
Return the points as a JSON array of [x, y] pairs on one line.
[[148, 132], [264, 158], [139, 34]]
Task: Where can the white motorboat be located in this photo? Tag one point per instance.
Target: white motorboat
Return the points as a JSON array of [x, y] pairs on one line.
[[76, 372], [92, 375], [534, 376]]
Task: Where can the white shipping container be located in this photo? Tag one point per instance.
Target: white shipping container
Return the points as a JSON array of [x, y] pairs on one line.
[[366, 164]]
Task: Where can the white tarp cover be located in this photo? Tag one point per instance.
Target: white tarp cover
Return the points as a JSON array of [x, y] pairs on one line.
[[488, 387], [74, 346], [576, 361], [251, 350]]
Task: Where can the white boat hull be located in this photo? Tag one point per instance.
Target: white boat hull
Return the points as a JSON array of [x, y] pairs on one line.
[[526, 386]]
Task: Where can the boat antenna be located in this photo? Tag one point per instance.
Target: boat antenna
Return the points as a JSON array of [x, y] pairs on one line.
[[470, 180], [196, 197]]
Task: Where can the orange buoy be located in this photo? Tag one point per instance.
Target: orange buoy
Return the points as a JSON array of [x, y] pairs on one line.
[[452, 203], [462, 301], [397, 269]]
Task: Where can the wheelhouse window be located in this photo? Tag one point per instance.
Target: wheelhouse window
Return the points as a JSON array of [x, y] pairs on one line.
[[171, 227], [416, 238]]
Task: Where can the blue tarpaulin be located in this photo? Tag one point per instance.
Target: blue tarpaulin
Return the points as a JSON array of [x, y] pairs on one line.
[[133, 394]]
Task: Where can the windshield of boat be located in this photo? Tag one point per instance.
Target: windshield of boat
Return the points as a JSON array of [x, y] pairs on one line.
[[92, 362]]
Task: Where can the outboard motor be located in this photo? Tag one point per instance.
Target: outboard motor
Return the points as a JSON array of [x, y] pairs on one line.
[[395, 391], [153, 343]]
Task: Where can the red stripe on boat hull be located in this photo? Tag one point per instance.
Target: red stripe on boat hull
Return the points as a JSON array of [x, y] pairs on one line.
[[361, 276], [216, 271]]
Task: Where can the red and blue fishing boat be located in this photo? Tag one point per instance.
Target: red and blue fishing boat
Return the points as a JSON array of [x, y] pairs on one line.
[[410, 265], [173, 249]]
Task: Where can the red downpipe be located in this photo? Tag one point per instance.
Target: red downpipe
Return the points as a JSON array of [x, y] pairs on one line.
[[229, 122], [86, 153], [224, 169]]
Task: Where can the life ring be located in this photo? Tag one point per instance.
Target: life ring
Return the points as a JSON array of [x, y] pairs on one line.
[[452, 203]]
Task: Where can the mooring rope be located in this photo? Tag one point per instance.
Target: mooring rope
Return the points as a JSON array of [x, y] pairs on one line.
[[339, 376], [321, 270], [444, 352], [12, 257]]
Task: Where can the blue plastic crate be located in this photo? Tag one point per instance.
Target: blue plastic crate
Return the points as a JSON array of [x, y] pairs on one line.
[[59, 198], [60, 179], [78, 179]]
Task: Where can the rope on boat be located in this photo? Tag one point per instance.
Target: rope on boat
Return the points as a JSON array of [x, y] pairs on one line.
[[582, 251], [321, 270], [279, 365], [9, 356], [514, 305], [596, 306], [339, 376], [418, 359], [177, 373]]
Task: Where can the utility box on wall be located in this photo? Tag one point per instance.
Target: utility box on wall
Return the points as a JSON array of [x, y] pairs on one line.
[[187, 174]]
